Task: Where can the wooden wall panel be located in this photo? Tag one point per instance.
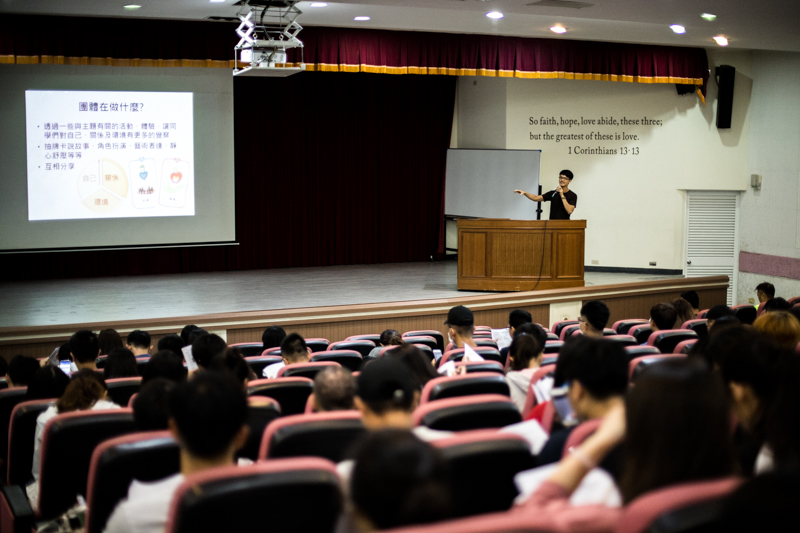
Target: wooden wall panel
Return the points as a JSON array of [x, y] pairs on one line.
[[473, 262], [518, 255]]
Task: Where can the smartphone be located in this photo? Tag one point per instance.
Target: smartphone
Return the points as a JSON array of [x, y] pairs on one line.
[[65, 366]]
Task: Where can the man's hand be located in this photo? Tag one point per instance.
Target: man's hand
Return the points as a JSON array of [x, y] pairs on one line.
[[558, 189], [518, 191]]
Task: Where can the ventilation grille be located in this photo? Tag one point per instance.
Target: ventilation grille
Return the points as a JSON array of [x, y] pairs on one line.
[[566, 4]]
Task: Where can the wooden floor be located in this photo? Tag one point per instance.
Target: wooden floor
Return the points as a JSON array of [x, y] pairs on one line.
[[50, 303]]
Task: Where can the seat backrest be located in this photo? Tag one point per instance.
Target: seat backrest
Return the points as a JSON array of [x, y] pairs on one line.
[[684, 346], [503, 522], [100, 362], [430, 333], [640, 514], [363, 347], [299, 495], [640, 364], [568, 331], [248, 349], [530, 395], [622, 326], [290, 393], [666, 339], [427, 340], [481, 460], [481, 366], [465, 385], [625, 340], [304, 370], [115, 463], [374, 337], [387, 348], [21, 432], [120, 390], [702, 314], [698, 325], [553, 346], [327, 435], [350, 359], [488, 343], [580, 434], [259, 362], [3, 384], [276, 350], [9, 398], [608, 332], [641, 332], [638, 351], [141, 363], [261, 410], [456, 354], [317, 344], [746, 313], [68, 441], [468, 412], [557, 326]]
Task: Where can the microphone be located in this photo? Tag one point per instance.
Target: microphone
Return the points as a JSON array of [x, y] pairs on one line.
[[555, 193]]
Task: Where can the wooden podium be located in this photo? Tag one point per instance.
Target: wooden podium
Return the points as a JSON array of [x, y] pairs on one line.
[[497, 254]]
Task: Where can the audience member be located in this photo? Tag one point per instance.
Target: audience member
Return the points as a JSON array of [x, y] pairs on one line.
[[206, 347], [594, 318], [416, 360], [389, 337], [64, 352], [195, 334], [272, 337], [694, 300], [207, 418], [108, 339], [781, 326], [461, 325], [662, 316], [84, 348], [765, 503], [87, 390], [47, 382], [764, 292], [398, 480], [139, 343], [525, 355], [700, 348], [684, 312], [164, 364], [716, 313], [233, 362], [171, 342], [334, 390], [516, 318], [293, 351], [20, 371], [776, 304], [151, 405], [596, 374], [120, 363], [185, 332]]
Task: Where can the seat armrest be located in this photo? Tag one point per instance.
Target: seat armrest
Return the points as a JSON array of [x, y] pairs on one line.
[[15, 501]]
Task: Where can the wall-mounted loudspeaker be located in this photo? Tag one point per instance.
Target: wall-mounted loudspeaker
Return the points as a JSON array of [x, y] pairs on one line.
[[725, 75]]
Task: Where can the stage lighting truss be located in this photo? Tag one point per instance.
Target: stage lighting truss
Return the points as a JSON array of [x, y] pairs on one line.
[[267, 30]]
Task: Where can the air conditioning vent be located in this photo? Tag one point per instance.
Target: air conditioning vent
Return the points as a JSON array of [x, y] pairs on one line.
[[565, 4]]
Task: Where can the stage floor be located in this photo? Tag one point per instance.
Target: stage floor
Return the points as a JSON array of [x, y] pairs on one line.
[[54, 302]]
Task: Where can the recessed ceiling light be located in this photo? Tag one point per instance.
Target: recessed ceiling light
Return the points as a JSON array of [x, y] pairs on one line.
[[361, 18], [722, 41], [131, 7], [319, 4], [494, 15], [558, 29], [677, 28], [708, 16], [216, 1]]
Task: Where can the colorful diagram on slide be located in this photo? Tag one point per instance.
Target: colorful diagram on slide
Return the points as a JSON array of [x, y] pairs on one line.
[[103, 189]]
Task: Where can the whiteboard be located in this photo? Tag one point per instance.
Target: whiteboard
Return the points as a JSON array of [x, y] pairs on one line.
[[481, 183]]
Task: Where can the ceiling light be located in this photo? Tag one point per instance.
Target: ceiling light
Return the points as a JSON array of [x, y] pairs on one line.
[[708, 16], [722, 41], [319, 4], [677, 28], [558, 29], [216, 1], [494, 15], [131, 7], [361, 18]]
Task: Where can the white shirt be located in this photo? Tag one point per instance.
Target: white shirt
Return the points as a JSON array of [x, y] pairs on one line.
[[271, 371], [146, 509]]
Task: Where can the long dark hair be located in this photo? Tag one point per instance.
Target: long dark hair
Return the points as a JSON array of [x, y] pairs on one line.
[[678, 421], [524, 348]]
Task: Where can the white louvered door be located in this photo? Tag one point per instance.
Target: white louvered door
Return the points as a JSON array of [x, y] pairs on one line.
[[712, 236]]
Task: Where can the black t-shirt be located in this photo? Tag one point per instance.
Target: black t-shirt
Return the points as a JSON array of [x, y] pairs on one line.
[[557, 211]]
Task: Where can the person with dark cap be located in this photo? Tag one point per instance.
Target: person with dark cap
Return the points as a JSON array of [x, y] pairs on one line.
[[461, 324], [562, 200]]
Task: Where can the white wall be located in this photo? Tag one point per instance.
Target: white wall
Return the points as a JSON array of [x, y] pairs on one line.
[[634, 203], [483, 123], [770, 218]]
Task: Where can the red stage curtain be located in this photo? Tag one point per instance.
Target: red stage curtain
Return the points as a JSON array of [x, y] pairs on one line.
[[41, 39], [331, 169]]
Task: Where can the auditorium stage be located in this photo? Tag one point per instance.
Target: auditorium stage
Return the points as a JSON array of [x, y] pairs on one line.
[[330, 302]]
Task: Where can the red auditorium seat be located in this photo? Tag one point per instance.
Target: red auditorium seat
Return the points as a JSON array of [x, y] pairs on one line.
[[290, 393], [349, 359], [328, 435], [317, 344], [639, 364], [466, 385], [21, 432], [468, 412], [304, 370], [120, 390], [386, 349], [580, 434], [558, 326], [622, 326], [746, 313], [427, 340], [641, 332], [272, 351], [363, 346], [530, 398], [456, 354], [483, 464], [551, 336], [626, 340], [261, 411], [259, 362], [374, 337], [666, 339], [698, 325], [248, 349], [298, 495], [430, 333], [702, 314], [568, 331], [9, 399], [553, 346], [685, 346], [481, 366], [147, 456]]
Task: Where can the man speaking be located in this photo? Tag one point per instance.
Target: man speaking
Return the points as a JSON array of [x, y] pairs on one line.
[[562, 200]]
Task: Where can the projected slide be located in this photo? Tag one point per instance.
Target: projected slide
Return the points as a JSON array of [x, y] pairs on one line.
[[104, 154]]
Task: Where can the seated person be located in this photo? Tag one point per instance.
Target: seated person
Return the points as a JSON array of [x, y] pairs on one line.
[[684, 311], [461, 325], [139, 343], [207, 418], [776, 304], [272, 337], [293, 351], [171, 342], [120, 363], [84, 348], [87, 390], [594, 318], [694, 300], [334, 390], [108, 339], [205, 347], [389, 337], [416, 360], [150, 407], [525, 355], [233, 362], [165, 364], [20, 371], [764, 292], [516, 318], [717, 312], [781, 326], [662, 316], [47, 382]]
